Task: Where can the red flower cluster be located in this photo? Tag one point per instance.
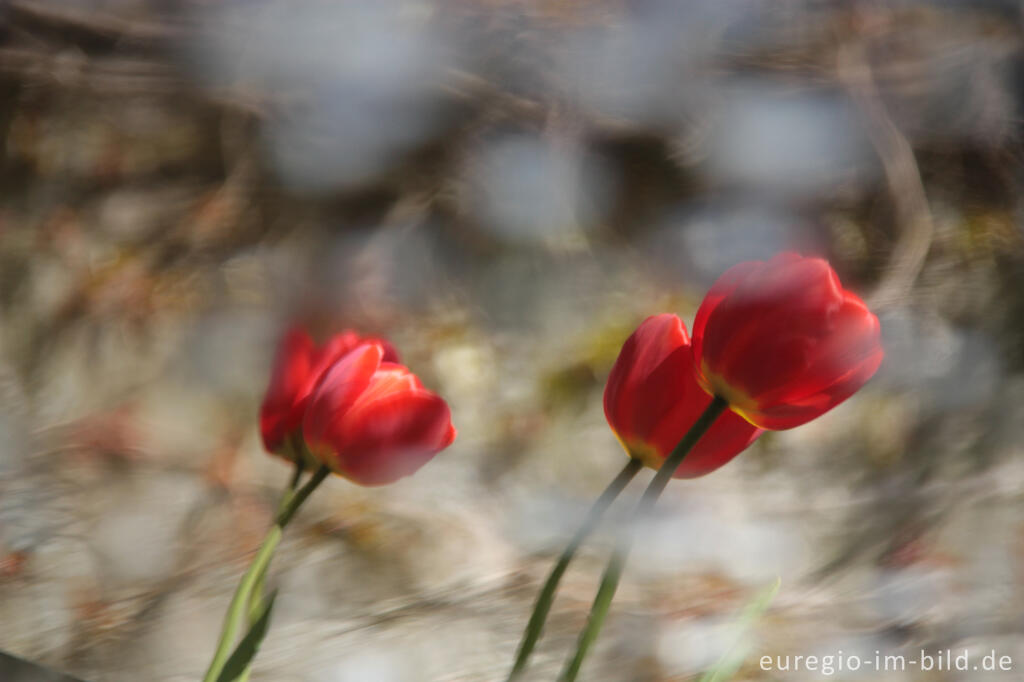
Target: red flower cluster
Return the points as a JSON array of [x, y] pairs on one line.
[[781, 341], [354, 406]]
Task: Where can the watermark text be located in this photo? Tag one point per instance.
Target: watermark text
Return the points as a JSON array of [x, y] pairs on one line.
[[927, 660]]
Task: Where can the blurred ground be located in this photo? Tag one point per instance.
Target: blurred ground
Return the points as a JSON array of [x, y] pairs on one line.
[[505, 188]]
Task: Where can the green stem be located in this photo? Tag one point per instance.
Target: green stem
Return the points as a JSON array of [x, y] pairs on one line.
[[296, 475], [535, 626], [305, 491], [613, 572], [237, 608], [256, 598]]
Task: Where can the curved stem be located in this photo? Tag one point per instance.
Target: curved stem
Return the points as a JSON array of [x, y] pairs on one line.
[[256, 595], [535, 626], [237, 608], [286, 498], [300, 496], [613, 572]]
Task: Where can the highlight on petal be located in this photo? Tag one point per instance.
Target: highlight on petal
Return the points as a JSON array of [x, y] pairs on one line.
[[337, 390], [345, 341], [390, 354]]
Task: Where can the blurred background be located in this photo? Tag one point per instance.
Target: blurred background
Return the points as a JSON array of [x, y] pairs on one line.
[[504, 188]]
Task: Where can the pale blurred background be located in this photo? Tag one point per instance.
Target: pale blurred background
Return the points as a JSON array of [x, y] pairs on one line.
[[505, 188]]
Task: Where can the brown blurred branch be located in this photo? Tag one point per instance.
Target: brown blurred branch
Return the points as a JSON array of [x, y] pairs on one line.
[[113, 76], [90, 21], [902, 175], [71, 69]]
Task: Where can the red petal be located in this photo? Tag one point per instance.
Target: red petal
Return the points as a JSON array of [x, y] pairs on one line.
[[719, 291], [842, 342], [336, 348], [786, 339], [390, 354], [338, 389], [799, 411], [281, 411], [626, 396], [727, 437], [392, 436], [389, 378], [345, 341], [757, 336], [670, 387]]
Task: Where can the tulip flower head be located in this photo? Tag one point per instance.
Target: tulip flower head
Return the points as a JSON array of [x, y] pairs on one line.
[[783, 342], [298, 366], [372, 421], [652, 399]]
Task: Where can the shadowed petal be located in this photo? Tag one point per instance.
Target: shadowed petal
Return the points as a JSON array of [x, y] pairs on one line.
[[281, 410]]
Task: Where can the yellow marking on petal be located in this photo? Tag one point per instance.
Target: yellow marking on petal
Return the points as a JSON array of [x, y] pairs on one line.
[[739, 402], [647, 455], [622, 443]]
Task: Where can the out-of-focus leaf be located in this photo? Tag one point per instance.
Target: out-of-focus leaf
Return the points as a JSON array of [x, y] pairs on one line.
[[731, 661], [246, 650]]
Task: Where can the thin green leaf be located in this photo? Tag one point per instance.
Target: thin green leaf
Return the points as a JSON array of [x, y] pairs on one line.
[[246, 650], [732, 659]]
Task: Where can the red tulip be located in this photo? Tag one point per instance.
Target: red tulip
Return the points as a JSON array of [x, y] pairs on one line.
[[372, 421], [652, 399], [783, 342], [298, 366]]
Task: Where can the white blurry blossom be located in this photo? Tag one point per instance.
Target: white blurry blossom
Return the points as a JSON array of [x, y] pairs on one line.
[[719, 535], [542, 521], [379, 664], [918, 347], [950, 368], [177, 643], [525, 190], [705, 238], [767, 140], [646, 66], [354, 85], [839, 654], [910, 594], [405, 263], [686, 647], [137, 538]]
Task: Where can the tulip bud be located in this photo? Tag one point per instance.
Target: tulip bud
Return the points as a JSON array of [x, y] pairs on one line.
[[783, 342], [372, 421], [652, 399]]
